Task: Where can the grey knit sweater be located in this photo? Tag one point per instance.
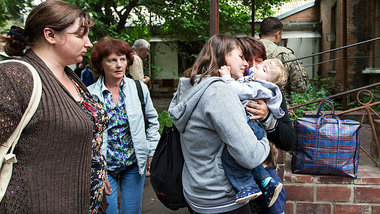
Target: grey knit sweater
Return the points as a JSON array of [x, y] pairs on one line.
[[52, 174]]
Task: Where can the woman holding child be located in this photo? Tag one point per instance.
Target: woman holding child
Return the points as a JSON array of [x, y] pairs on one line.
[[209, 116], [196, 110]]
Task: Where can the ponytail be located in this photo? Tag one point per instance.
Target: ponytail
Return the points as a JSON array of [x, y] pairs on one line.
[[16, 42]]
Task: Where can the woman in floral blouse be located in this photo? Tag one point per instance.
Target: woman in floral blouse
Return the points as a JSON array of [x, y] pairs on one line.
[[128, 145], [99, 120]]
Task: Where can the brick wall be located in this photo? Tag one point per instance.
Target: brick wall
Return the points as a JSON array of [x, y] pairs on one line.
[[324, 194], [308, 15], [360, 27], [331, 194]]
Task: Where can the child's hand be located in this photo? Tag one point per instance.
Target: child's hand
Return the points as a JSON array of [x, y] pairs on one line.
[[224, 70]]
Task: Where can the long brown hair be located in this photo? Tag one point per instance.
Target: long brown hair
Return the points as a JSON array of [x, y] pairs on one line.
[[54, 14], [212, 56], [273, 156]]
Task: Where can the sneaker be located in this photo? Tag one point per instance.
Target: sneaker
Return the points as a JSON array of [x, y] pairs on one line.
[[247, 194], [271, 192]]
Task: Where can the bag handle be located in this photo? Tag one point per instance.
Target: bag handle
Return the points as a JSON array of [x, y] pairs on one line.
[[6, 150], [321, 106], [32, 106]]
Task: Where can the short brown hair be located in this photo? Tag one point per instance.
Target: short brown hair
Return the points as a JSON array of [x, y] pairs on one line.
[[105, 47], [277, 72], [253, 48], [269, 26]]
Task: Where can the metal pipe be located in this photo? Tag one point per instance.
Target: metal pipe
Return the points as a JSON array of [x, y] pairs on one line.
[[344, 43], [349, 57], [335, 49], [337, 95], [214, 17], [253, 19]]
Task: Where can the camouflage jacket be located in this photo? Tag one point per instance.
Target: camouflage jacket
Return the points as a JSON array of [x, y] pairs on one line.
[[298, 79]]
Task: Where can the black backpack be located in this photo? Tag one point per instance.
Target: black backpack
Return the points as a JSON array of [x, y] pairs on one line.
[[166, 169]]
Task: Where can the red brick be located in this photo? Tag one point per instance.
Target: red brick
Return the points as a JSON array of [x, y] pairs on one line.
[[368, 174], [375, 209], [370, 180], [308, 15], [289, 207], [281, 171], [310, 208], [367, 194], [299, 193], [334, 180], [287, 176], [333, 193], [351, 209], [281, 157], [304, 179]]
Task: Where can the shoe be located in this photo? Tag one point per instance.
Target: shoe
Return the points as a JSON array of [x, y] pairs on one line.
[[247, 194], [271, 192]]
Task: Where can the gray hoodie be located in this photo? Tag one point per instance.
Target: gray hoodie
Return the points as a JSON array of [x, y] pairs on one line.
[[209, 116]]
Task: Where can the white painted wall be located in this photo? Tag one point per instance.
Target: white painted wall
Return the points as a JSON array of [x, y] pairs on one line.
[[305, 47], [167, 59]]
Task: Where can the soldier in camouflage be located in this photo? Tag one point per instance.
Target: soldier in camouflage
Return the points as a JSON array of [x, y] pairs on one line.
[[271, 35]]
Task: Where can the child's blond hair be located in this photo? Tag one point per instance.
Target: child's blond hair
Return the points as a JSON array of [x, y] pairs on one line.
[[277, 72]]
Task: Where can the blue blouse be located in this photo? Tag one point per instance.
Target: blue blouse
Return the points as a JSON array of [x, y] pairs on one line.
[[120, 150]]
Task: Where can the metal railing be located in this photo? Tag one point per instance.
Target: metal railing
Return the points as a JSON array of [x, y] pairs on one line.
[[365, 107]]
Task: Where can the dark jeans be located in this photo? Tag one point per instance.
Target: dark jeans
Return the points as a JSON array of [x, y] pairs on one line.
[[256, 128], [241, 177], [238, 176], [279, 205]]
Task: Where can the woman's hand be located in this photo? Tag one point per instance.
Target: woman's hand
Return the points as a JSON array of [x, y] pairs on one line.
[[259, 109], [107, 188], [148, 162]]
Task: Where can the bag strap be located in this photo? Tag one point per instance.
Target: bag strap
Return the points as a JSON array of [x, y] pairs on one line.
[[28, 114], [321, 106], [141, 97]]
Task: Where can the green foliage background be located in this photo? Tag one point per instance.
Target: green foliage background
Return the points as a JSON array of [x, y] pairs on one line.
[[183, 20]]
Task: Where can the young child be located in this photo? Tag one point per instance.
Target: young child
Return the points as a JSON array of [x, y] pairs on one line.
[[261, 83]]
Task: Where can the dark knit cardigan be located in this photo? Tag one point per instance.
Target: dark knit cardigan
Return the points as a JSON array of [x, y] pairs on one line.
[[52, 174]]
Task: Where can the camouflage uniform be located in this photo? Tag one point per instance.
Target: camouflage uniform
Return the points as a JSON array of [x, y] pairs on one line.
[[298, 79]]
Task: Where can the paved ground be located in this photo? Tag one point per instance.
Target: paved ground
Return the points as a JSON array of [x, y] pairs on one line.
[[151, 205], [161, 100]]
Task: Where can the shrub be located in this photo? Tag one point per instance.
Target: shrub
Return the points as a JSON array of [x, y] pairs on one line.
[[164, 120], [315, 90]]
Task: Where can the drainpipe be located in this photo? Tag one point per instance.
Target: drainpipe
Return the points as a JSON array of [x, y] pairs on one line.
[[214, 17], [344, 53], [253, 19]]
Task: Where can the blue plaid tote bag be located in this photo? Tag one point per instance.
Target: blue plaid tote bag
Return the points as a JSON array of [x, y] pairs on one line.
[[326, 145]]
